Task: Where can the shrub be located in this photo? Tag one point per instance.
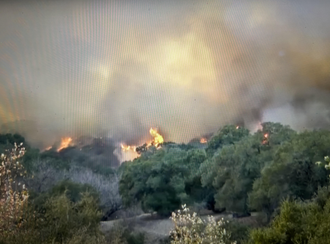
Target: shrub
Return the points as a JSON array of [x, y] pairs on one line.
[[45, 178], [134, 238], [192, 229], [107, 187], [13, 195]]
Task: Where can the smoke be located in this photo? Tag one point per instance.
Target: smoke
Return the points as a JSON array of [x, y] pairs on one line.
[[186, 67]]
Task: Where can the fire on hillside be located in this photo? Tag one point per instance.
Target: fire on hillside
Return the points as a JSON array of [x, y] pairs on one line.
[[65, 142], [157, 141]]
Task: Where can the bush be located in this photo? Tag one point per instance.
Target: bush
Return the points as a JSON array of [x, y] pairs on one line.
[[73, 190], [64, 218], [107, 187], [192, 229], [45, 178], [122, 233], [134, 238], [13, 195], [116, 234], [80, 237], [297, 223], [239, 232]]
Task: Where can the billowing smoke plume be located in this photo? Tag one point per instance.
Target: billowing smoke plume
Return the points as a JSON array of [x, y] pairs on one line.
[[187, 67]]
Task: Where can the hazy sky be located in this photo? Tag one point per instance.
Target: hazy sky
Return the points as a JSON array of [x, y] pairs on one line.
[[187, 67]]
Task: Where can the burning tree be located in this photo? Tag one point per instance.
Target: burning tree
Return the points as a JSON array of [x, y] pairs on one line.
[[156, 142], [13, 194]]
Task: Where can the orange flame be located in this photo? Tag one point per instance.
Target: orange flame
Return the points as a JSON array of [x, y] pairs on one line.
[[265, 140], [128, 148], [48, 148], [158, 139], [65, 142], [203, 140], [237, 127]]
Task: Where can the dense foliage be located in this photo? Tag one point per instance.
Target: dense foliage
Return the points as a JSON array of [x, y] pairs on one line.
[[58, 220], [237, 171], [161, 180], [298, 222]]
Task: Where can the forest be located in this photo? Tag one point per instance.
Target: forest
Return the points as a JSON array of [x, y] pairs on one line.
[[277, 174]]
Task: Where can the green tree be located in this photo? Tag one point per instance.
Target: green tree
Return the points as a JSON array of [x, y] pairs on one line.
[[227, 135], [72, 190], [297, 223], [234, 168], [293, 172], [161, 181]]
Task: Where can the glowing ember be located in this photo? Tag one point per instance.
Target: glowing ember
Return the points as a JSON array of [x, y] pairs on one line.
[[65, 142], [266, 135], [203, 140]]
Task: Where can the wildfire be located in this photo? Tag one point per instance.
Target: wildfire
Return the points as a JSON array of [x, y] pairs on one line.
[[203, 140], [48, 148], [156, 141], [128, 148], [265, 140], [237, 127], [65, 142]]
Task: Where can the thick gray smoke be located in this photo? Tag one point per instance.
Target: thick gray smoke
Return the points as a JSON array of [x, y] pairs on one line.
[[187, 67]]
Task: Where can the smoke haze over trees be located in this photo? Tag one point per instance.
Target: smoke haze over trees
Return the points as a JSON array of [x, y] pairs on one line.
[[235, 96], [116, 69]]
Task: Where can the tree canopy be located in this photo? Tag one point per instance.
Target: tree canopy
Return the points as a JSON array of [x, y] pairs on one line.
[[238, 171]]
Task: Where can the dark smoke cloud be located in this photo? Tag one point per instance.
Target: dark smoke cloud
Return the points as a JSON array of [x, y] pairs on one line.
[[187, 67]]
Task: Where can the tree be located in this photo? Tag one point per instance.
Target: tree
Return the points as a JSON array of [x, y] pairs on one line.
[[64, 217], [107, 187], [297, 223], [227, 135], [13, 195], [235, 166], [293, 172], [162, 180]]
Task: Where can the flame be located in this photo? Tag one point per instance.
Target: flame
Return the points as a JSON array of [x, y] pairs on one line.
[[158, 139], [65, 142], [265, 140], [203, 140], [237, 127], [128, 148], [48, 148]]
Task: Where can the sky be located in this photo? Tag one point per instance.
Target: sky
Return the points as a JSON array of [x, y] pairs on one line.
[[117, 68]]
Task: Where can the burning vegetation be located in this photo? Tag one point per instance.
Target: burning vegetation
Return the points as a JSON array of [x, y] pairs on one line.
[[65, 142], [203, 140], [128, 148], [157, 141], [265, 138]]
